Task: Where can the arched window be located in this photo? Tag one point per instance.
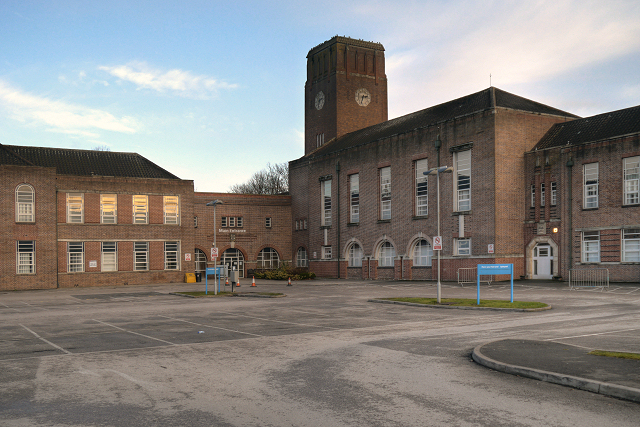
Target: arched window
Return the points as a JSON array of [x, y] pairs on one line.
[[25, 201], [422, 254], [268, 258], [386, 255], [200, 260], [234, 260], [302, 260], [355, 255]]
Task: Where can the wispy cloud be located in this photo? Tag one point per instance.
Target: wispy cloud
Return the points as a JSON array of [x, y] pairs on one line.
[[61, 117], [178, 82]]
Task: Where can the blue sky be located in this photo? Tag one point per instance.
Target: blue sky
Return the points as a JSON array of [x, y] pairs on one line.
[[213, 91]]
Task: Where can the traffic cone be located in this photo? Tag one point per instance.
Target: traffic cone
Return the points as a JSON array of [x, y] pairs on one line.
[[227, 283], [238, 284], [289, 284], [253, 284]]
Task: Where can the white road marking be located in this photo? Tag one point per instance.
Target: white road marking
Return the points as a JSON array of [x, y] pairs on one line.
[[590, 335], [209, 326], [278, 321], [135, 333], [47, 341]]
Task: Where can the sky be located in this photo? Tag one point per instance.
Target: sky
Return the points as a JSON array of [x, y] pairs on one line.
[[213, 91]]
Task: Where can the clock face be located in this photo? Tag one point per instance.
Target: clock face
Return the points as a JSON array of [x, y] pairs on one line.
[[319, 100], [363, 97]]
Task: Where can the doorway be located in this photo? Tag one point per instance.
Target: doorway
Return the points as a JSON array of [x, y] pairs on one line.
[[542, 262], [234, 260]]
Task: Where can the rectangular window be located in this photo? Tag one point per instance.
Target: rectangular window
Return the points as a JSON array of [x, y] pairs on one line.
[[305, 224], [26, 257], [171, 210], [195, 222], [554, 194], [171, 255], [223, 221], [109, 260], [533, 196], [422, 188], [354, 197], [232, 221], [631, 245], [25, 201], [140, 209], [590, 173], [463, 246], [632, 180], [326, 252], [75, 208], [239, 222], [326, 202], [385, 193], [267, 222], [463, 180], [541, 195], [590, 246], [75, 257], [108, 209], [141, 255]]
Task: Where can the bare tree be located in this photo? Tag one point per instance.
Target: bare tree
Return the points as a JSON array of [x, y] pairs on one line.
[[101, 148], [274, 179]]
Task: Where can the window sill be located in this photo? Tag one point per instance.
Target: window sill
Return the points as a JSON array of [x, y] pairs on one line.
[[25, 222], [325, 227], [353, 224], [631, 206], [386, 268], [421, 267], [384, 221], [420, 217], [589, 209], [461, 213]]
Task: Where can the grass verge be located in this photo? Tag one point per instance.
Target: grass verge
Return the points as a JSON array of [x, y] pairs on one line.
[[464, 302], [210, 294], [633, 356]]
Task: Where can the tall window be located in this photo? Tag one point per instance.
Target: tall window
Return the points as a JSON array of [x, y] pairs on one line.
[[422, 188], [631, 245], [141, 255], [26, 257], [463, 180], [326, 202], [109, 260], [463, 246], [302, 260], [25, 201], [354, 197], [385, 193], [542, 195], [554, 194], [171, 255], [75, 257], [632, 180], [140, 209], [590, 173], [422, 254], [533, 196], [590, 246], [75, 207], [267, 222], [268, 259], [355, 255], [386, 255], [171, 210], [108, 209], [326, 252]]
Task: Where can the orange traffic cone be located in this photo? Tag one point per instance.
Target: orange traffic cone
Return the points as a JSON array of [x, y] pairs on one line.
[[253, 284], [238, 284], [289, 284], [227, 283]]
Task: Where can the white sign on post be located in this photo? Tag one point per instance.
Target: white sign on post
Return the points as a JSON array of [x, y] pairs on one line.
[[214, 253], [437, 243]]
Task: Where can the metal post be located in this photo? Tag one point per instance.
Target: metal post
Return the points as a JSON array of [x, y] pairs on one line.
[[215, 203], [438, 198]]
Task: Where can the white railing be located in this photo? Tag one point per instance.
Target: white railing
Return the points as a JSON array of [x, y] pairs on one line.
[[589, 278], [470, 276]]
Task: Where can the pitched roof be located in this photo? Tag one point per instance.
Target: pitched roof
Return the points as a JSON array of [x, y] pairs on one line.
[[474, 103], [83, 162], [590, 129]]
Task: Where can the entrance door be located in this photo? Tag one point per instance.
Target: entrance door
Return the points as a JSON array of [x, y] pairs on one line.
[[542, 262], [201, 261], [234, 260]]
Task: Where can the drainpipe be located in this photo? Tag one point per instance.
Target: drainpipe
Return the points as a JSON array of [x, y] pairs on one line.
[[570, 197], [339, 249]]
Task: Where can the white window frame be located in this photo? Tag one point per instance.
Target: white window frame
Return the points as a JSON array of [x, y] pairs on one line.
[[232, 221], [140, 208], [554, 193], [462, 182], [109, 256], [386, 255], [171, 208], [75, 257], [326, 203], [25, 203], [422, 253], [590, 246], [268, 259], [327, 252], [223, 221], [75, 208], [268, 222], [631, 245], [355, 255], [305, 224], [108, 209], [590, 185], [533, 195], [302, 259], [172, 255], [25, 257], [542, 195], [385, 193], [354, 198], [239, 222], [422, 188], [632, 180], [141, 256], [463, 246]]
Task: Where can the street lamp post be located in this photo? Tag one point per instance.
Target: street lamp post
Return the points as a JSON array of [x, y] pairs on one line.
[[215, 203]]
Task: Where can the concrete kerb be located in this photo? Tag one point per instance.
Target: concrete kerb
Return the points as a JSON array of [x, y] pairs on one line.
[[606, 389], [381, 301]]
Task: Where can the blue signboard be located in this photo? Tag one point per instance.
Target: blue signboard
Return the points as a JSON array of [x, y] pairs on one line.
[[494, 269], [217, 271]]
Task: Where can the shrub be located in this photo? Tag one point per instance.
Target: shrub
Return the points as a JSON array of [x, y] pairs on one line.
[[285, 272]]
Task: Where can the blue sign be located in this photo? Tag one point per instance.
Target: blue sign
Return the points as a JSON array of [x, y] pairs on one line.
[[493, 269]]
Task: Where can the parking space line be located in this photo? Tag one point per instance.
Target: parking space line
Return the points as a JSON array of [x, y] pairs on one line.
[[11, 308], [209, 326], [132, 332], [47, 341], [590, 335], [279, 321]]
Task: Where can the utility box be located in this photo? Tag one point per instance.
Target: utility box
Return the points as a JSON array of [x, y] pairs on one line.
[[234, 276], [189, 278]]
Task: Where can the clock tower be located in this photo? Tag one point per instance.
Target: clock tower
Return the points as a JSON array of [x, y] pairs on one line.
[[346, 89]]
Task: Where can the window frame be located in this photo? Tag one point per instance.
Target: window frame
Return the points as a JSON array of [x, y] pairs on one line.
[[533, 195], [77, 266], [327, 252], [385, 193], [326, 203], [554, 194], [75, 208], [591, 185], [25, 209], [460, 244], [140, 251], [25, 247], [631, 181], [590, 245], [355, 255], [542, 194], [462, 181], [268, 222], [354, 198], [386, 254], [302, 261], [261, 261], [422, 253], [108, 256], [110, 207], [421, 187], [140, 208], [171, 210], [630, 244], [172, 255]]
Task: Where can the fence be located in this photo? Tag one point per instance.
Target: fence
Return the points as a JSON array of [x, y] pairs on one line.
[[470, 275], [589, 278]]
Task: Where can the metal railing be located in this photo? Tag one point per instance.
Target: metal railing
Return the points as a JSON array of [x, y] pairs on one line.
[[589, 278], [470, 276]]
